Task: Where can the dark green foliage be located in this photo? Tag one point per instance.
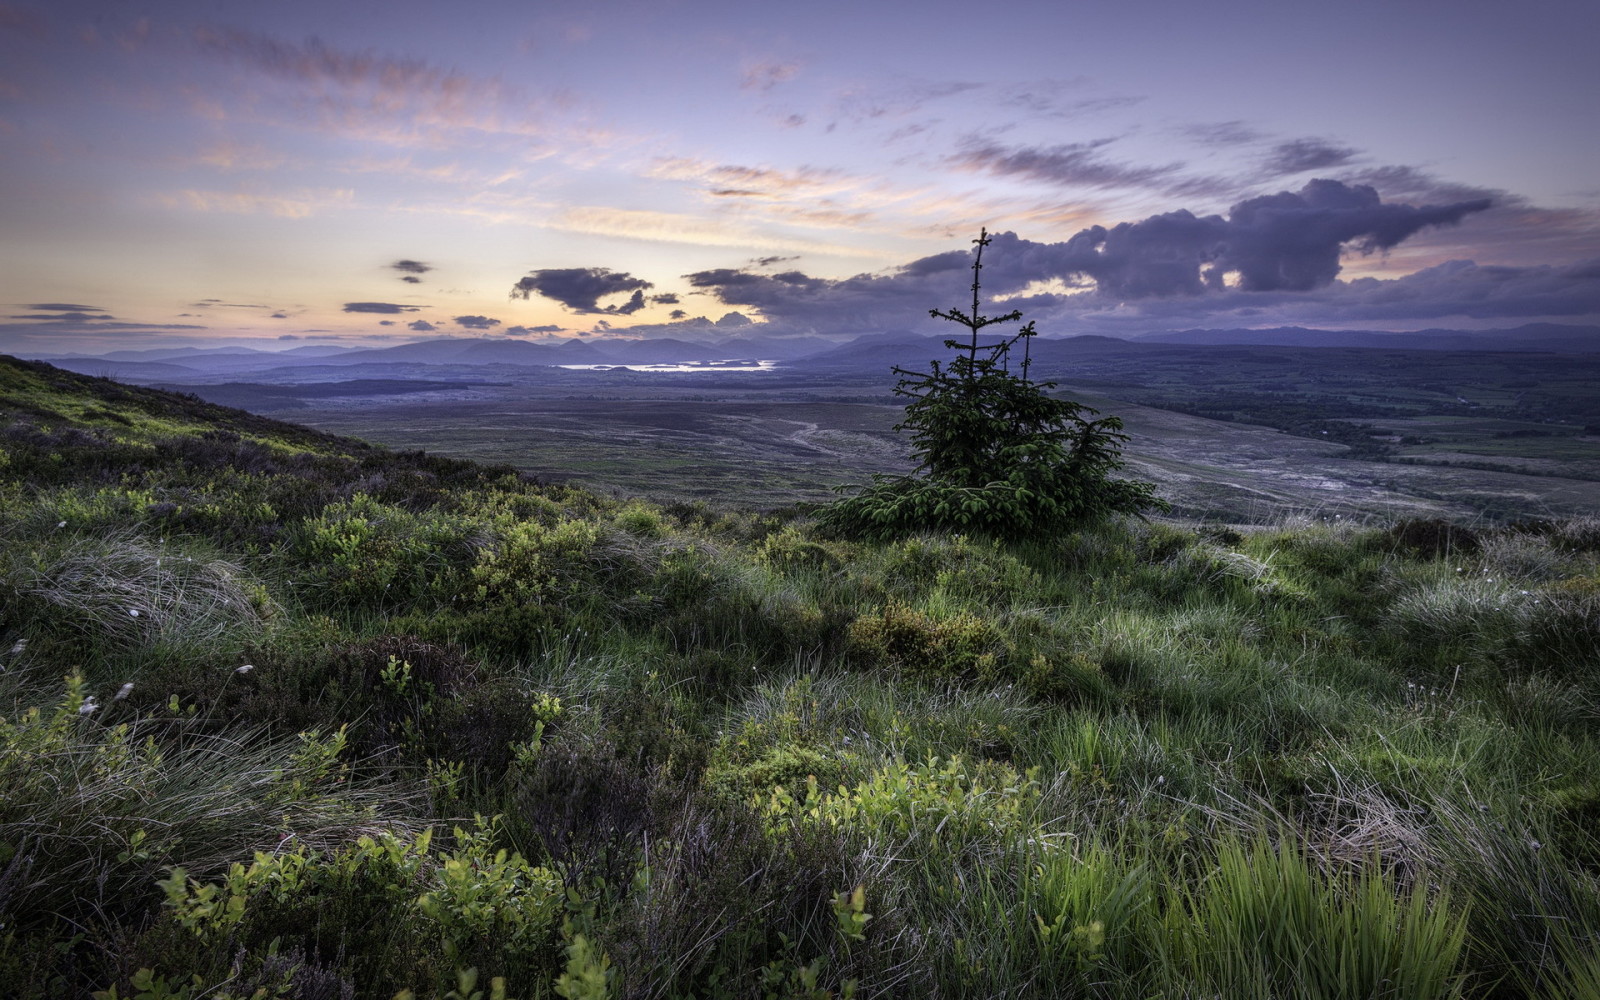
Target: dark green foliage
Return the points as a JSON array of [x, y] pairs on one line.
[[998, 454], [1432, 538]]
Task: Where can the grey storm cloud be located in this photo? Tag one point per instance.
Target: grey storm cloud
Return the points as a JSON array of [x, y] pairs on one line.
[[1300, 155], [421, 326], [389, 308], [477, 322], [1288, 243], [581, 288]]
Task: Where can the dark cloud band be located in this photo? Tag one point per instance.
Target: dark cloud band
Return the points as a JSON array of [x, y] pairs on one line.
[[389, 308]]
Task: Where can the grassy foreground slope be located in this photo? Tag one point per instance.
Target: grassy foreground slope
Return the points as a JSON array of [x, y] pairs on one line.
[[285, 715]]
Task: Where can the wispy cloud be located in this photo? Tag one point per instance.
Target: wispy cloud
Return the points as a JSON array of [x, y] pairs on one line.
[[397, 100], [1300, 155], [764, 74], [1079, 165], [298, 204]]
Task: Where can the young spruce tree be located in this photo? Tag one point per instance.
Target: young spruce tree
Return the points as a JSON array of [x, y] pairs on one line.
[[998, 455]]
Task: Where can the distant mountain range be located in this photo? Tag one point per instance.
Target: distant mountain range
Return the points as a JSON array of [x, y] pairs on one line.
[[882, 350]]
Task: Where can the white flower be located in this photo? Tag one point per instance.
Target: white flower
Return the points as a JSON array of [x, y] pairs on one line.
[[87, 706], [61, 524], [244, 668], [133, 612], [124, 691], [20, 645]]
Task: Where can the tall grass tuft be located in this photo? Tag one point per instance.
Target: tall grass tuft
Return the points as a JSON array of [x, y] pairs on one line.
[[1267, 922], [92, 812], [128, 592]]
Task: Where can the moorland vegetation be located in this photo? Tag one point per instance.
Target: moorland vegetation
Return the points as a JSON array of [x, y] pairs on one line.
[[286, 715]]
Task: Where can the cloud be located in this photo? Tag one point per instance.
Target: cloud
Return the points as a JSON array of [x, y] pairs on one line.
[[737, 180], [386, 322], [763, 76], [1290, 241], [1281, 245], [379, 307], [1078, 164], [581, 288], [410, 270], [477, 322], [1478, 291], [525, 331], [66, 307], [677, 314], [279, 315], [421, 326], [1058, 98], [1232, 133], [1300, 155], [401, 101], [298, 204], [665, 299], [65, 317]]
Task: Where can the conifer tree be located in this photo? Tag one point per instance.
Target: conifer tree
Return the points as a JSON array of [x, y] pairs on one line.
[[997, 454]]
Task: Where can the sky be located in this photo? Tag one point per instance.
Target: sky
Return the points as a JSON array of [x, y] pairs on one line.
[[294, 173]]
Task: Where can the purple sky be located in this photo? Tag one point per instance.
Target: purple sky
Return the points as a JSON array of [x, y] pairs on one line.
[[290, 173]]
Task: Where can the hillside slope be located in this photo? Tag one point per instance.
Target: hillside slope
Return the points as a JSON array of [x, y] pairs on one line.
[[283, 714]]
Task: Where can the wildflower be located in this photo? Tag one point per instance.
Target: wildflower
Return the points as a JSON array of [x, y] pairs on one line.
[[19, 646], [124, 691], [87, 706], [133, 612], [61, 524], [244, 668]]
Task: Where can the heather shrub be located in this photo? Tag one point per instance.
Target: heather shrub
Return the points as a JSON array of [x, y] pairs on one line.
[[917, 645]]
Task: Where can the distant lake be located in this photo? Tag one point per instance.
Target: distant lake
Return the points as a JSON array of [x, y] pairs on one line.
[[731, 365]]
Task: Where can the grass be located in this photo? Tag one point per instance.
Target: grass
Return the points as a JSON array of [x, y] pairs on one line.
[[385, 718]]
